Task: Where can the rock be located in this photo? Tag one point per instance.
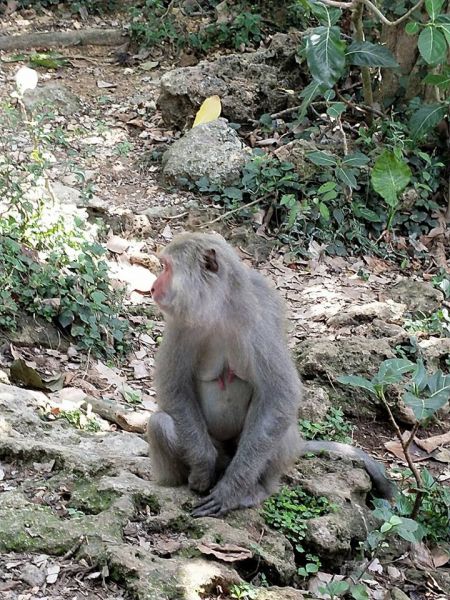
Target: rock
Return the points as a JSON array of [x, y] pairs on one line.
[[323, 360], [211, 150], [419, 297], [435, 352], [36, 331], [315, 403], [387, 311], [52, 95], [248, 84], [278, 593], [381, 329], [32, 575]]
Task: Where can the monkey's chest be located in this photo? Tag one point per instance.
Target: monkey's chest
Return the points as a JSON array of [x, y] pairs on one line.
[[224, 402]]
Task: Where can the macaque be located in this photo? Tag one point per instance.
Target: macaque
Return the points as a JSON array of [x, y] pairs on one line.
[[227, 388]]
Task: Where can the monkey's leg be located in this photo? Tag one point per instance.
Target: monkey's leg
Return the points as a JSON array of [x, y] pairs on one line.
[[167, 465], [284, 457]]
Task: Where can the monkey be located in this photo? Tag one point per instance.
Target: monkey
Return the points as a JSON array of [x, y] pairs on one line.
[[227, 388]]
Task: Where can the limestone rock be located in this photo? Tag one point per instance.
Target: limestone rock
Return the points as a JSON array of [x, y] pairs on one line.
[[211, 150], [248, 84], [420, 298], [52, 95]]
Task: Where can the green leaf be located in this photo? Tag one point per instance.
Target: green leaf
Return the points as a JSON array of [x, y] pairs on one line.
[[312, 90], [325, 54], [392, 370], [445, 27], [347, 177], [433, 7], [390, 175], [426, 118], [233, 193], [359, 592], [386, 527], [324, 212], [366, 54], [442, 81], [336, 109], [328, 186], [412, 27], [321, 158], [432, 45], [357, 381], [356, 159]]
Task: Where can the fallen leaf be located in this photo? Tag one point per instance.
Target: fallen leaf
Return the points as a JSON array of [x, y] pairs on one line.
[[225, 552], [105, 84], [109, 374], [440, 556], [22, 372], [430, 444], [421, 556], [442, 455], [52, 573], [117, 244], [209, 111], [149, 65]]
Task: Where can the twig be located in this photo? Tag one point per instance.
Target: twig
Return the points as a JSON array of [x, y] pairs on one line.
[[286, 111], [231, 212], [374, 9]]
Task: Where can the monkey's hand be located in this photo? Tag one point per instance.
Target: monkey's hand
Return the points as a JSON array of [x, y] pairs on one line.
[[202, 477], [221, 501]]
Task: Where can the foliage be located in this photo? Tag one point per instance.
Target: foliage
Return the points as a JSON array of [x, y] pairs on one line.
[[287, 511], [80, 420], [50, 264], [243, 591], [152, 23], [437, 323], [434, 513], [91, 6], [333, 427]]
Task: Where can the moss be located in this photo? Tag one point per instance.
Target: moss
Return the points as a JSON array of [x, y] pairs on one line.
[[88, 499], [185, 524]]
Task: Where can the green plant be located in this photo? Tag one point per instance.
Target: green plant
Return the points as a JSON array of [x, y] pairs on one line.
[[422, 392], [288, 512], [152, 24], [80, 420], [437, 323], [333, 427], [243, 591]]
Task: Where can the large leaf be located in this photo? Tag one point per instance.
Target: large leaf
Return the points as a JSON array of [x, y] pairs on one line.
[[433, 8], [445, 28], [432, 45], [347, 176], [424, 119], [356, 159], [392, 370], [366, 54], [323, 159], [325, 54], [357, 381], [429, 400], [390, 176]]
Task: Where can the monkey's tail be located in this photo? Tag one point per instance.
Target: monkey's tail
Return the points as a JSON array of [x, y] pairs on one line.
[[383, 486]]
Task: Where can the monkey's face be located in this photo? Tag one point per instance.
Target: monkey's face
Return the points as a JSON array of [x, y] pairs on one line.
[[187, 287]]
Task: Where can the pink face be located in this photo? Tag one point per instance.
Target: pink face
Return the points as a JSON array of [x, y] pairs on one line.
[[161, 287]]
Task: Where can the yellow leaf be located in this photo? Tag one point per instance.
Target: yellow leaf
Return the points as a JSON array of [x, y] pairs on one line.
[[208, 111]]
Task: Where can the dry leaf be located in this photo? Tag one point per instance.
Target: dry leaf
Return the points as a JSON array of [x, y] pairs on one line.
[[22, 372], [105, 84], [117, 244], [421, 556], [430, 444], [209, 111], [440, 556], [225, 552]]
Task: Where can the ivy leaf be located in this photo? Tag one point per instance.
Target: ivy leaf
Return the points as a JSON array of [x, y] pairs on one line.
[[366, 54], [424, 119], [325, 54], [312, 90], [336, 109], [432, 45], [390, 176]]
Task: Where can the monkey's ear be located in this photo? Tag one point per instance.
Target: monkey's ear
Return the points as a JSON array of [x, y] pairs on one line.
[[210, 261]]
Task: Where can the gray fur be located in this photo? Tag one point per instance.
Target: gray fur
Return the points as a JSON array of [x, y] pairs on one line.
[[205, 435]]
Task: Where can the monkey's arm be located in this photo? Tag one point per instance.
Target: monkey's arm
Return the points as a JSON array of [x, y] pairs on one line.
[[177, 397]]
